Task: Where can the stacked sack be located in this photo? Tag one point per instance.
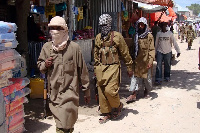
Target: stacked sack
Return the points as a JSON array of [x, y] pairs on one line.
[[12, 86]]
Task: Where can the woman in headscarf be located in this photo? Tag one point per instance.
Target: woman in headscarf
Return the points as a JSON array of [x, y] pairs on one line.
[[143, 60], [108, 46]]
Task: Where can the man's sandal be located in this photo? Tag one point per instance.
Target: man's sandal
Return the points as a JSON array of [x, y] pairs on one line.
[[105, 118], [146, 94], [117, 112], [131, 98]]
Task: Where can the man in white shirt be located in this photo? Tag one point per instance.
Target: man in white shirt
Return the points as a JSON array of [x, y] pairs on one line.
[[163, 48]]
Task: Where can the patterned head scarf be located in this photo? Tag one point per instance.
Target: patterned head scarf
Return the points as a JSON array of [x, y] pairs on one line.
[[105, 23], [142, 35]]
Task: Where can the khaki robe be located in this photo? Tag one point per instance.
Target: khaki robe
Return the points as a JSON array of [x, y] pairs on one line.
[[105, 72], [146, 55], [108, 76], [68, 70]]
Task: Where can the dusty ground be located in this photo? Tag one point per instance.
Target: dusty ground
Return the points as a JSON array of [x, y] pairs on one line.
[[174, 107]]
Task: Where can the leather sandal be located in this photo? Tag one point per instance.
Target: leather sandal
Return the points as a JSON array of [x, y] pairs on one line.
[[131, 98], [117, 112], [105, 118]]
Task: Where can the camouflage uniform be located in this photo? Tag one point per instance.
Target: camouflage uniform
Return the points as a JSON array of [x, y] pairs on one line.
[[190, 37], [182, 31], [186, 29]]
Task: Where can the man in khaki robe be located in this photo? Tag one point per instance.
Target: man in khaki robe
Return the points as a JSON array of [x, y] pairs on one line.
[[63, 61], [143, 60], [108, 46]]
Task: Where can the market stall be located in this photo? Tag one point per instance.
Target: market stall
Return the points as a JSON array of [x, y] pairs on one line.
[[12, 81]]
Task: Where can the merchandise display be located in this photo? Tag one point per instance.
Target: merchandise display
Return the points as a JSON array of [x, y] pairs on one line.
[[12, 86]]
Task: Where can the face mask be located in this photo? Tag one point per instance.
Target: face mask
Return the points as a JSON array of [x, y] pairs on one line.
[[105, 30], [57, 36]]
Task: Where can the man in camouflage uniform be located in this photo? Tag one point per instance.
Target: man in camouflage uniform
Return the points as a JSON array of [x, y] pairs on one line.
[[186, 29], [182, 32], [108, 46], [190, 36]]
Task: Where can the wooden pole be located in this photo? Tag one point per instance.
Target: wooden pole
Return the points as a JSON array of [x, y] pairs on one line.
[[164, 11]]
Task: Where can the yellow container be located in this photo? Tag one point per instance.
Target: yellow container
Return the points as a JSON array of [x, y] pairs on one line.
[[37, 88]]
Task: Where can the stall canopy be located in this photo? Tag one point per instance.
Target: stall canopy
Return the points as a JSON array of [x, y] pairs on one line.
[[149, 8], [172, 13], [168, 3], [164, 18], [185, 17]]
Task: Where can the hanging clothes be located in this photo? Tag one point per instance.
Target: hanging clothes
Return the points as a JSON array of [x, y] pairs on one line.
[[80, 13], [60, 7]]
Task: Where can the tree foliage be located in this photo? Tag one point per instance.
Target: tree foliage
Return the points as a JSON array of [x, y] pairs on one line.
[[195, 8]]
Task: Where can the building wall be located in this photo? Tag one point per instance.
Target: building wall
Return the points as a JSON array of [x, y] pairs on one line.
[[98, 7]]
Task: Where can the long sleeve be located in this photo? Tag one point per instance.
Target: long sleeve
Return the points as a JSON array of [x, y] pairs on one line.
[[124, 51], [41, 61], [83, 73], [175, 44], [151, 49], [156, 42], [96, 52]]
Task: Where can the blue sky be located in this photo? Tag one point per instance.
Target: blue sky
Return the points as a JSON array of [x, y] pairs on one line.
[[185, 3]]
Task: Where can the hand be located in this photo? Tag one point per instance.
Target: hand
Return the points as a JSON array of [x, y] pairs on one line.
[[87, 99], [149, 66], [48, 62], [178, 55], [130, 73]]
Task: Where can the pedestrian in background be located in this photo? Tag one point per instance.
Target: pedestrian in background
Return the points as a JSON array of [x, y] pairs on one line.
[[163, 47], [194, 28], [186, 29], [143, 60], [182, 32], [155, 29], [63, 62], [190, 36], [197, 29], [109, 45]]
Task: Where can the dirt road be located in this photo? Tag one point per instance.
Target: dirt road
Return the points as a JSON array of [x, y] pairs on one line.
[[174, 107]]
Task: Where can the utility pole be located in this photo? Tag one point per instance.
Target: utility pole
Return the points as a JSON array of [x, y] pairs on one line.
[[71, 19]]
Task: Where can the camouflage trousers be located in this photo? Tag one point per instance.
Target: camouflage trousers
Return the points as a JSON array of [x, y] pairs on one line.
[[182, 37], [190, 41]]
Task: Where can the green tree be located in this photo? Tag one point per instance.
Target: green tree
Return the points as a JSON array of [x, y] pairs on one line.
[[195, 8]]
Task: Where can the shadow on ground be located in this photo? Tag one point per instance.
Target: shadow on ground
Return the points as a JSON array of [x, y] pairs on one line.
[[33, 113], [180, 79], [198, 105], [126, 112]]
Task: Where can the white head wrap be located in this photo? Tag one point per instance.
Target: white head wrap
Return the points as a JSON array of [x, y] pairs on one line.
[[59, 37]]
